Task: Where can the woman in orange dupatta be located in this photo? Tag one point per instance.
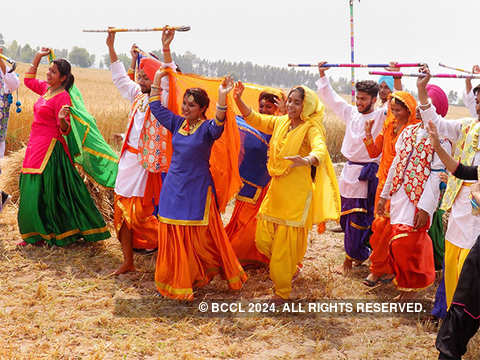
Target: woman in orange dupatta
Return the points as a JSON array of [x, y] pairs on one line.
[[401, 113]]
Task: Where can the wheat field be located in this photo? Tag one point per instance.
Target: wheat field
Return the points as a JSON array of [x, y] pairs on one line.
[[61, 303]]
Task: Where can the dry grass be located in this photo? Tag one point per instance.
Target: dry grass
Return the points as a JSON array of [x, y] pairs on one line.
[[59, 303]]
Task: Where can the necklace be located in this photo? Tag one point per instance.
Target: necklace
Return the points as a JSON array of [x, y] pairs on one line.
[[51, 93], [189, 128], [143, 104]]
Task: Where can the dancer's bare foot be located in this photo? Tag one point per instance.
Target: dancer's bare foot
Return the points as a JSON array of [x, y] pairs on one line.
[[345, 268], [126, 267]]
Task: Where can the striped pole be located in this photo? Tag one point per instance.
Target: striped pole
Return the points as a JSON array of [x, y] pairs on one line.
[[352, 52], [359, 65], [445, 76]]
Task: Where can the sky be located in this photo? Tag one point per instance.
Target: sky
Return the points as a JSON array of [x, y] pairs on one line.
[[264, 32]]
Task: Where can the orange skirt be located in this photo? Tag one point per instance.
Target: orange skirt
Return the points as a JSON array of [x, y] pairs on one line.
[[411, 257], [139, 219], [241, 232], [189, 256], [379, 240]]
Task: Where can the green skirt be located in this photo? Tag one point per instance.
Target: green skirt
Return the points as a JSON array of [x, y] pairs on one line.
[[55, 206], [438, 238]]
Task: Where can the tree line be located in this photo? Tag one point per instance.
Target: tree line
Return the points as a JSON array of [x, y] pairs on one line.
[[190, 63]]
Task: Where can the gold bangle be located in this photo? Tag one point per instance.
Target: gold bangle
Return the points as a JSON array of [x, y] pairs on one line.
[[154, 87]]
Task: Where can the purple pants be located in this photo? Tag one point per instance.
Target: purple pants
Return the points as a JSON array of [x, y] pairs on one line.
[[356, 222]]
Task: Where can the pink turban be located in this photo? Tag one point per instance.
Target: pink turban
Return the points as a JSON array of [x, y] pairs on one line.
[[439, 99]]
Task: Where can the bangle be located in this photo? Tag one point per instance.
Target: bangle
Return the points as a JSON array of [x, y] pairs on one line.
[[166, 50], [33, 66], [222, 108], [131, 71], [155, 87], [425, 106]]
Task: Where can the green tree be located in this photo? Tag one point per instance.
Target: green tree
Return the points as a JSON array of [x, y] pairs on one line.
[[124, 58], [81, 57], [26, 53], [13, 50]]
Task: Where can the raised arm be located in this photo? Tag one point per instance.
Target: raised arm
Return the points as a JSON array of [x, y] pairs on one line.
[[38, 86], [446, 128], [264, 123], [374, 147], [133, 64], [167, 38], [330, 98], [469, 96], [163, 115], [128, 88]]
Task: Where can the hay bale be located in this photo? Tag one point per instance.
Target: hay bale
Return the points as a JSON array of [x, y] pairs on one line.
[[9, 182]]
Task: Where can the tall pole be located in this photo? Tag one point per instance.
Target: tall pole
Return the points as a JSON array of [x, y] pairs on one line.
[[352, 52]]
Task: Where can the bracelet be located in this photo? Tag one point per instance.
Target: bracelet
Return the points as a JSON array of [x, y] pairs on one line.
[[222, 108], [425, 106], [131, 71], [155, 87], [33, 66], [166, 50]]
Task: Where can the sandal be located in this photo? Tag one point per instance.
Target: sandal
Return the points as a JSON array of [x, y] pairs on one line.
[[370, 283], [386, 280]]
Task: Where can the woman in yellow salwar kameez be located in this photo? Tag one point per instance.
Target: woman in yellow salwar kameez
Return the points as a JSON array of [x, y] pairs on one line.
[[294, 201]]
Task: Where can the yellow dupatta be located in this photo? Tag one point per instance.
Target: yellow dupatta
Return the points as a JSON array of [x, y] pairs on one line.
[[326, 196]]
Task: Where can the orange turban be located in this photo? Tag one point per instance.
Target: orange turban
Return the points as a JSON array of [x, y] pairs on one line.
[[150, 66]]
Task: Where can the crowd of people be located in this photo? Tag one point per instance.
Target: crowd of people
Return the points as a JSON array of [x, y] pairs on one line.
[[182, 156]]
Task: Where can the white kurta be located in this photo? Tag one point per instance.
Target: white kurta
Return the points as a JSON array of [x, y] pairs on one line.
[[10, 82], [470, 104], [132, 177], [463, 227], [402, 210], [353, 147]]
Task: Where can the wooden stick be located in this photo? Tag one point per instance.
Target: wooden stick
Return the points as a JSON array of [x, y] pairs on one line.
[[176, 28], [454, 68]]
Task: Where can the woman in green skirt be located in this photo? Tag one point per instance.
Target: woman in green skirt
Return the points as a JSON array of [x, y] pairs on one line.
[[55, 205]]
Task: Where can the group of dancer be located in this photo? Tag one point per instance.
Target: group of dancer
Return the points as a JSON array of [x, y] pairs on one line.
[[173, 180]]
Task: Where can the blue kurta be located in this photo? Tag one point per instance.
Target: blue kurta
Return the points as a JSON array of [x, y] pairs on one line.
[[185, 195], [253, 161]]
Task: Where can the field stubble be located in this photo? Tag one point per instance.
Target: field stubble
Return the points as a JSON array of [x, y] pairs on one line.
[[58, 303]]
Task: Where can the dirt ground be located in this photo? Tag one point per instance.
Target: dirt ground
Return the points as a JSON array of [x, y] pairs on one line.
[[61, 303]]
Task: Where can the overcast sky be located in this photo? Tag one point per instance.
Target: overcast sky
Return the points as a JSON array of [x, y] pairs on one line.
[[264, 31]]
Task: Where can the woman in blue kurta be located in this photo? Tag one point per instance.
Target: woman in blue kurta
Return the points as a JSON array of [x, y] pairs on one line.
[[193, 246]]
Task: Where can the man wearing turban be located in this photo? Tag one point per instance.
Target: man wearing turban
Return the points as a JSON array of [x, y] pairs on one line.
[[144, 156], [463, 227]]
